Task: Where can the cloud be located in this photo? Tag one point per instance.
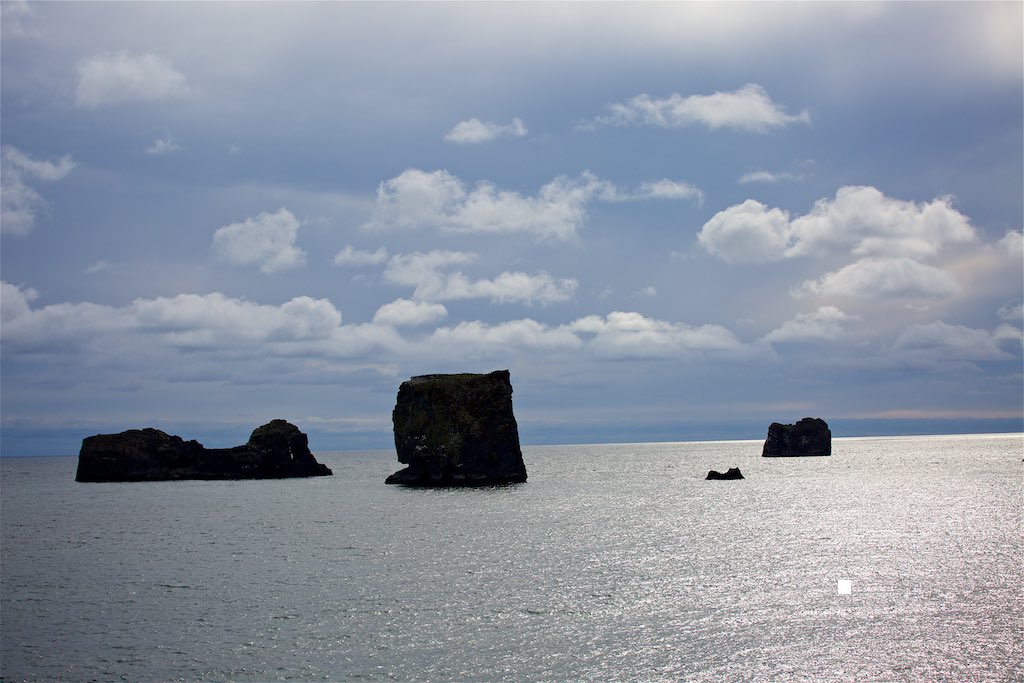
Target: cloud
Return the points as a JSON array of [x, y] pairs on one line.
[[622, 335], [747, 233], [98, 267], [15, 301], [479, 338], [201, 320], [214, 337], [114, 78], [441, 201], [18, 17], [186, 320], [20, 204], [350, 256], [883, 277], [425, 273], [748, 109], [654, 189], [474, 131], [763, 176], [931, 345], [406, 313], [824, 324], [868, 223], [164, 145], [1012, 312], [267, 241], [860, 220]]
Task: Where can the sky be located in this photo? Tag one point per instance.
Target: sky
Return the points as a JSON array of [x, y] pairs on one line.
[[669, 221]]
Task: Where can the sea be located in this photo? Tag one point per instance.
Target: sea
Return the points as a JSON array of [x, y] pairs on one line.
[[894, 559]]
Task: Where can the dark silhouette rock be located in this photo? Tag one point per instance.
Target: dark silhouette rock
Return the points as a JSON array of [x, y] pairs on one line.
[[809, 436], [732, 473], [276, 450], [457, 430]]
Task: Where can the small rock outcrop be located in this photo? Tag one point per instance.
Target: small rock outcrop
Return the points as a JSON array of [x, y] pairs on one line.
[[276, 450], [809, 436], [457, 430], [732, 473]]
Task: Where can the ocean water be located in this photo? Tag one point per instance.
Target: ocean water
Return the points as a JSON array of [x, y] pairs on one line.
[[614, 562]]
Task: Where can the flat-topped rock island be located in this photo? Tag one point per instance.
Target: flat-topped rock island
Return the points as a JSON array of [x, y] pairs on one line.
[[809, 436], [457, 430], [277, 450]]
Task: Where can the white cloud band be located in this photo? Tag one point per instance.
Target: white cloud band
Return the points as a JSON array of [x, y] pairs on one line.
[[749, 108]]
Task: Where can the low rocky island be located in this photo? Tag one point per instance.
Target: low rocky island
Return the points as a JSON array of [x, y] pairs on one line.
[[457, 430], [731, 473], [277, 450], [809, 436]]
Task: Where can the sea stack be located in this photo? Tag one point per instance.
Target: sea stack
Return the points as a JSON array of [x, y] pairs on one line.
[[277, 450], [809, 436], [457, 430]]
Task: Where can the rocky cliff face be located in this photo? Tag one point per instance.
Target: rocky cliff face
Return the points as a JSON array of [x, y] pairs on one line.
[[457, 430], [276, 450], [809, 436]]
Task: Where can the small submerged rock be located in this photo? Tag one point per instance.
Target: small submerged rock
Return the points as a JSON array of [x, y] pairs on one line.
[[457, 430], [276, 450], [731, 473]]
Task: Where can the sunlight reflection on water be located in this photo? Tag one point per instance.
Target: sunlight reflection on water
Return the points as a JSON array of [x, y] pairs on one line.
[[612, 562]]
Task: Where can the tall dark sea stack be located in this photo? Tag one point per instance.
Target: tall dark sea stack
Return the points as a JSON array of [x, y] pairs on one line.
[[457, 430], [809, 436], [277, 450]]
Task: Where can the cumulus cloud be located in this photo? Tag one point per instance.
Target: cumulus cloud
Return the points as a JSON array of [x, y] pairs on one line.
[[406, 313], [118, 77], [20, 203], [868, 223], [747, 233], [824, 324], [860, 220], [15, 301], [474, 131], [441, 201], [350, 256], [479, 338], [185, 321], [883, 277], [425, 272], [204, 319], [748, 108], [633, 335], [164, 145], [189, 336], [267, 241]]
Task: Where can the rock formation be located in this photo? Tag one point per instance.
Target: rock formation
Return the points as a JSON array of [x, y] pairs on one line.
[[274, 451], [457, 430], [809, 436], [732, 473]]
